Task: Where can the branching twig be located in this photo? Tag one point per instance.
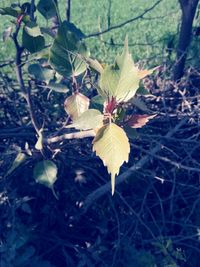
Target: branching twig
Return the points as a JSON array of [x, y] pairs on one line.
[[125, 22]]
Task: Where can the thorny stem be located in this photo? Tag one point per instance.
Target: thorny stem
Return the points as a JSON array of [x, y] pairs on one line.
[[26, 91]]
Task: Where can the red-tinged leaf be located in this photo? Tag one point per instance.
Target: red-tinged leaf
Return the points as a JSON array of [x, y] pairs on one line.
[[143, 73], [111, 105], [138, 121]]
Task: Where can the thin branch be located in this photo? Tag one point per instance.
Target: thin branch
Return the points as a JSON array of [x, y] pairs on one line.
[[109, 13], [125, 22], [91, 198], [76, 135], [25, 91], [68, 10], [178, 165]]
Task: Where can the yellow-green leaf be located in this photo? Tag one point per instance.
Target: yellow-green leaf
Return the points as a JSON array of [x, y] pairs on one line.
[[111, 144], [45, 172], [90, 119], [67, 51], [94, 64], [120, 80], [20, 158], [75, 105], [39, 143]]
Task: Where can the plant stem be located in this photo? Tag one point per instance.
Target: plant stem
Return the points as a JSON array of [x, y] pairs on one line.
[[26, 91]]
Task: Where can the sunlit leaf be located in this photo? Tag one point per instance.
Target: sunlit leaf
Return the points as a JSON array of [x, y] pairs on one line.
[[90, 119], [95, 65], [39, 143], [111, 144], [75, 105], [138, 121], [45, 172], [67, 50], [121, 79]]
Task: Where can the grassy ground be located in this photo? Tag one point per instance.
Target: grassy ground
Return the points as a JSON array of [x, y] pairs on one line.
[[148, 35]]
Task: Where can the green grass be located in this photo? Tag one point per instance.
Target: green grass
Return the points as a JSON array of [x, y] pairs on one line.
[[155, 27]]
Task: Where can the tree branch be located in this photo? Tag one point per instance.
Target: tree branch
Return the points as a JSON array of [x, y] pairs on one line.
[[76, 135], [124, 23]]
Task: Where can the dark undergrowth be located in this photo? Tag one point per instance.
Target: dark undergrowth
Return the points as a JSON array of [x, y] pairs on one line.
[[153, 217]]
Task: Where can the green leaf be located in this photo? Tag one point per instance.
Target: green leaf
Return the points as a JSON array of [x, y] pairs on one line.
[[32, 38], [120, 80], [90, 119], [58, 87], [40, 73], [95, 65], [45, 172], [11, 11], [143, 91], [67, 50], [131, 132], [75, 105], [47, 8], [26, 8], [111, 144], [97, 102], [20, 158], [42, 54]]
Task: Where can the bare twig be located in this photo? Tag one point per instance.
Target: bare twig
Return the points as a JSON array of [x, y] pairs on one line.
[[125, 22], [109, 13], [76, 135]]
